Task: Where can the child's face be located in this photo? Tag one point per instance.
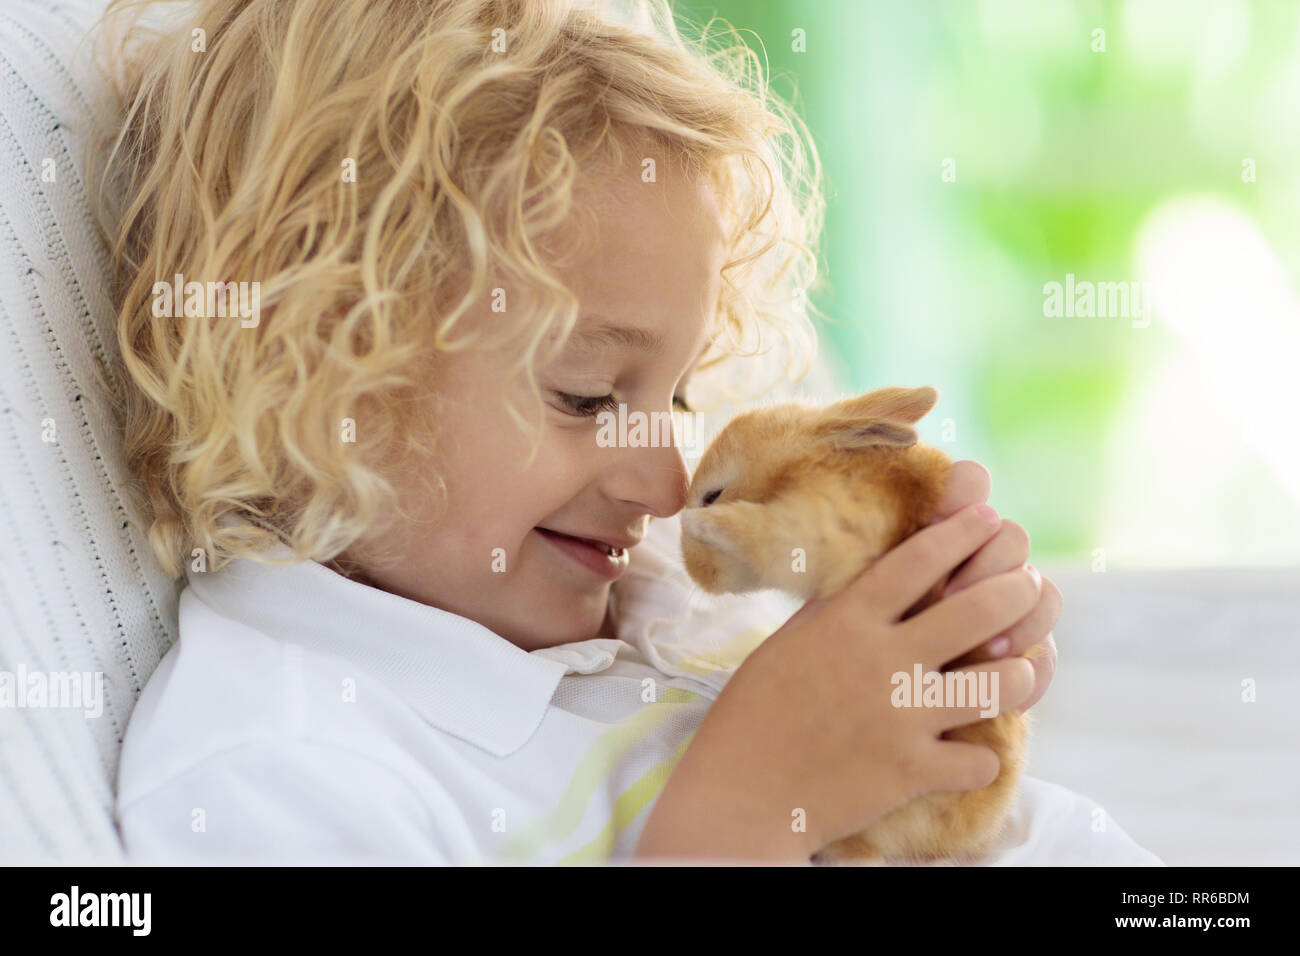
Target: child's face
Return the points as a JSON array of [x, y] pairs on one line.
[[654, 266]]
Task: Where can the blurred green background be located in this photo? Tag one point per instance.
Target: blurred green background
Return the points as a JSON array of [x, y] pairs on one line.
[[976, 152]]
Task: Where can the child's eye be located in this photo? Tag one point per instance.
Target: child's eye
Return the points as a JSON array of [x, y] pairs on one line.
[[588, 406]]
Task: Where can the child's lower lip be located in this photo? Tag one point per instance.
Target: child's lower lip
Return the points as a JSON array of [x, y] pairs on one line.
[[587, 555]]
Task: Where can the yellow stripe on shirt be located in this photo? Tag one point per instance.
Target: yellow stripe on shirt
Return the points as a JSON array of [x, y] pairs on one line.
[[626, 809], [728, 657], [592, 771]]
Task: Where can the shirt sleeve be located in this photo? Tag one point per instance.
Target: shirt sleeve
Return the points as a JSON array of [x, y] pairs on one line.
[[292, 801]]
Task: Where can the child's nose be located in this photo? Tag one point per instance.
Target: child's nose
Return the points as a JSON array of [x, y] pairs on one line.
[[655, 479]]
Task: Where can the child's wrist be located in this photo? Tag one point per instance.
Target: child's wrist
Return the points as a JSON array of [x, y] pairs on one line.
[[704, 814]]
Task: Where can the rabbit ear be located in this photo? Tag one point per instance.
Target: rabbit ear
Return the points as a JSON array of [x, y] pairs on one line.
[[856, 433], [893, 404]]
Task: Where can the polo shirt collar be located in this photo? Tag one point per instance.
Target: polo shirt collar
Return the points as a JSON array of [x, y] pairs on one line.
[[460, 676]]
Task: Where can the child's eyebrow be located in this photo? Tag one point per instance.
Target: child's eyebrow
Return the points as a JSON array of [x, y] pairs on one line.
[[625, 337], [609, 336]]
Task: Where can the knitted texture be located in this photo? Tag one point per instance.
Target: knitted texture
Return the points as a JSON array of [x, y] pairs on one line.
[[80, 592]]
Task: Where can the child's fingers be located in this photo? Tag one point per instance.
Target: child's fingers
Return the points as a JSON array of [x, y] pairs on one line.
[[958, 765], [953, 626], [1008, 549], [984, 691], [969, 484], [1029, 631], [905, 574], [1043, 658]]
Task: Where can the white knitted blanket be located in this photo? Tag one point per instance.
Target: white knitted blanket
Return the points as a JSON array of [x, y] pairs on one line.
[[82, 604]]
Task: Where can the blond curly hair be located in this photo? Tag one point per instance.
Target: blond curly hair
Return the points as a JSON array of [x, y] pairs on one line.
[[473, 128]]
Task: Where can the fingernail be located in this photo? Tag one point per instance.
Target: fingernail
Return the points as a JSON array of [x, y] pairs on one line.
[[999, 646], [1033, 573], [988, 513]]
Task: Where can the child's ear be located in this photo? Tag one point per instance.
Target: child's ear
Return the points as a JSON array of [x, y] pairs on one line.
[[893, 404]]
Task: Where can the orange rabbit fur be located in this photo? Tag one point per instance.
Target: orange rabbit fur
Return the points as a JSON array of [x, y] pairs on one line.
[[835, 489]]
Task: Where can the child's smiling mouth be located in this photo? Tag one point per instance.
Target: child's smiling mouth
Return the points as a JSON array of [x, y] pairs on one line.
[[605, 560]]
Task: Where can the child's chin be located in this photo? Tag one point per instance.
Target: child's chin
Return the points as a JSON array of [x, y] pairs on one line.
[[549, 627]]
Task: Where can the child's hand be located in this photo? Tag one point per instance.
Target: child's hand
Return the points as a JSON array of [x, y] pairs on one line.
[[807, 723], [970, 484]]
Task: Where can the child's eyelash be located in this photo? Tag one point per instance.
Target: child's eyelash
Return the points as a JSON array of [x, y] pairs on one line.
[[589, 406]]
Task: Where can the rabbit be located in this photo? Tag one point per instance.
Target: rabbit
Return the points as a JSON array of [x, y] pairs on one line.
[[837, 488]]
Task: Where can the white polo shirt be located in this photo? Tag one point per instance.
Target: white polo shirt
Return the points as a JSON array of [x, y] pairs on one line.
[[306, 718]]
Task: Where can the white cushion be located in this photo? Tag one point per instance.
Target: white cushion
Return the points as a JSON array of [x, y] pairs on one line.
[[79, 588]]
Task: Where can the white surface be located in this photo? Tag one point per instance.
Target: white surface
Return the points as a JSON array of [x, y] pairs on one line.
[[1145, 714], [79, 591]]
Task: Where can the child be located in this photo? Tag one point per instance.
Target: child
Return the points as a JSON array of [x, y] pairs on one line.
[[414, 626]]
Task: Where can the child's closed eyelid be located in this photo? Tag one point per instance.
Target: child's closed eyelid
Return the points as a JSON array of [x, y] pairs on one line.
[[585, 406], [608, 402]]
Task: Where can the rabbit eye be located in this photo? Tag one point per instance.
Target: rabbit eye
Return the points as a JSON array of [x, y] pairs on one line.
[[711, 497]]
